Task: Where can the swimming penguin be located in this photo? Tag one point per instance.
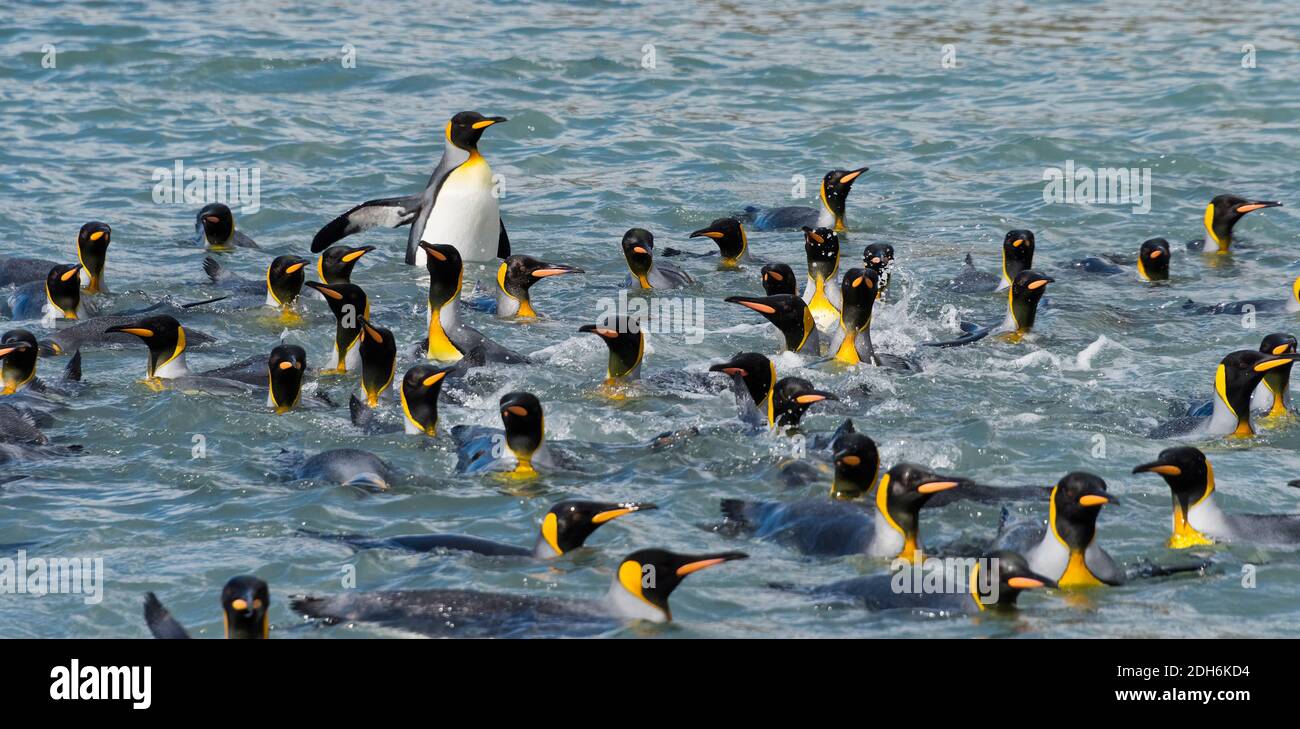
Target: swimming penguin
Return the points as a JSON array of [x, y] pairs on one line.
[[1221, 215], [879, 257], [284, 279], [99, 331], [515, 276], [821, 290], [419, 392], [753, 378], [778, 278], [1022, 311], [458, 206], [1198, 520], [839, 527], [214, 227], [857, 462], [639, 591], [449, 340], [626, 343], [1235, 381], [17, 270], [1290, 305], [18, 350], [378, 352], [336, 263], [834, 192], [969, 593], [646, 273], [566, 527], [92, 253], [245, 610], [851, 343], [166, 340], [792, 397], [1273, 394], [1152, 262], [1017, 256], [1066, 549], [346, 467], [350, 306], [791, 317], [521, 449], [285, 369], [57, 297], [733, 244]]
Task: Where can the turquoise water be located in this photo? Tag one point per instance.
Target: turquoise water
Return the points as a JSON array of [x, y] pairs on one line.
[[740, 98]]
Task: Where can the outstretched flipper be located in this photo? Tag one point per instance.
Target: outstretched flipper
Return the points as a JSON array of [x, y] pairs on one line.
[[503, 241], [160, 622], [390, 212], [973, 333]]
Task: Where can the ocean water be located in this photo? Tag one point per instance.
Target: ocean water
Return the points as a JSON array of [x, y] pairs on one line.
[[661, 115]]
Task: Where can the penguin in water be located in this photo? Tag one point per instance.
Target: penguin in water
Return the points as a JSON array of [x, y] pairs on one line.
[[852, 342], [879, 257], [92, 252], [1272, 396], [821, 290], [792, 397], [638, 248], [285, 369], [515, 276], [18, 356], [1198, 520], [1017, 256], [284, 279], [449, 340], [214, 227], [1152, 262], [166, 340], [58, 297], [1235, 380], [98, 331], [441, 612], [418, 393], [1022, 311], [245, 611], [753, 378], [836, 528], [566, 527], [1066, 549], [1221, 216], [791, 317], [733, 244], [520, 449], [346, 467], [350, 306], [458, 206], [834, 194], [626, 343], [335, 263], [378, 352], [778, 278], [1289, 305]]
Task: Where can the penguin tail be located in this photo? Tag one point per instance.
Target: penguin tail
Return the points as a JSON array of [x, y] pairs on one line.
[[313, 607], [845, 428], [214, 270], [161, 623], [1148, 570], [72, 373]]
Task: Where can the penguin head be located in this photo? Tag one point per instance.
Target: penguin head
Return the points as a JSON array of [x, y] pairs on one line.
[[1017, 252], [1014, 576], [420, 388], [245, 607], [792, 396], [164, 336], [858, 291], [755, 371], [1076, 502], [347, 301], [18, 350], [625, 340], [336, 263], [445, 272], [285, 369], [903, 490], [1191, 478], [216, 223], [822, 248], [521, 413], [1238, 375], [1153, 260], [878, 256], [518, 273], [778, 278], [63, 289], [568, 524], [284, 278], [378, 360], [639, 248], [835, 191], [1027, 290], [1278, 379], [787, 312], [465, 128], [729, 235], [649, 576], [92, 251], [1224, 211], [857, 461]]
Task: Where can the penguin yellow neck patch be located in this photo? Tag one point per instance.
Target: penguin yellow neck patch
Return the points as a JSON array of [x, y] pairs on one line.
[[1077, 573], [440, 345]]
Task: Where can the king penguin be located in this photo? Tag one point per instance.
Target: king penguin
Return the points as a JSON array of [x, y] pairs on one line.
[[1235, 380], [449, 340], [515, 277], [753, 378], [245, 611], [879, 257], [58, 297], [833, 193], [214, 227], [1221, 216], [1272, 397], [638, 246], [520, 449], [1022, 312], [626, 343], [336, 263], [378, 352], [733, 244], [350, 306], [285, 369], [822, 291], [166, 340], [791, 317], [778, 278], [1066, 549], [92, 253]]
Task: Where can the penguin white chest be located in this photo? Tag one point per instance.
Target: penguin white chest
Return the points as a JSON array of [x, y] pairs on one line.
[[465, 213]]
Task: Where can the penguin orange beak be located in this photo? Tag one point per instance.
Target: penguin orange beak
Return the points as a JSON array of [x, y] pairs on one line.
[[706, 561], [325, 290], [1257, 205], [295, 267], [1164, 469], [934, 487], [1269, 364], [15, 347], [623, 510], [853, 175], [489, 122], [1025, 583], [600, 331], [751, 304], [355, 254], [1097, 499], [814, 396], [97, 235], [429, 249], [554, 269], [1040, 283]]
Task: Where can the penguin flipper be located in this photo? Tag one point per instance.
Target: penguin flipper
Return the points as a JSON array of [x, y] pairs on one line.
[[1148, 570], [389, 212], [973, 333], [72, 373], [160, 622], [243, 241], [503, 241], [366, 419]]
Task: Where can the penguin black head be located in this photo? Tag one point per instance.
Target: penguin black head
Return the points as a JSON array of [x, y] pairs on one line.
[[518, 273], [858, 291], [878, 256], [729, 235], [165, 338], [792, 396], [18, 350], [638, 248], [899, 498], [521, 413], [778, 278], [63, 289], [1014, 576], [1076, 502], [1224, 211], [755, 372], [336, 263], [626, 343], [1017, 252], [822, 247], [857, 461], [216, 223], [92, 251], [787, 312], [378, 360], [1278, 379], [568, 524], [445, 273], [649, 576], [1238, 375], [465, 128], [1191, 479], [835, 191], [1153, 260], [285, 369], [347, 301], [1026, 291], [245, 607], [284, 278], [420, 388]]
